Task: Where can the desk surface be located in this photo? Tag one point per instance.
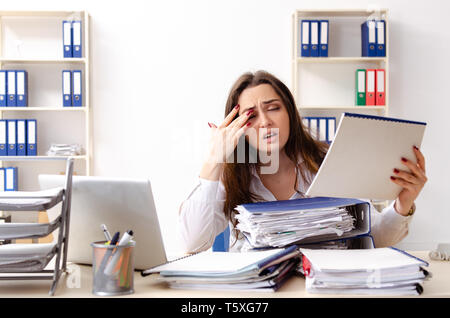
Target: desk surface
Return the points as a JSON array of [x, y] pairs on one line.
[[149, 287]]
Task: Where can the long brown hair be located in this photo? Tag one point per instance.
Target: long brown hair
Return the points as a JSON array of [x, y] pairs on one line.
[[237, 176]]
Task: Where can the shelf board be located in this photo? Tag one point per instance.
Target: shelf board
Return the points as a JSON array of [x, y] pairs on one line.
[[339, 12], [39, 13], [343, 108], [33, 109], [304, 60], [43, 61], [40, 158]]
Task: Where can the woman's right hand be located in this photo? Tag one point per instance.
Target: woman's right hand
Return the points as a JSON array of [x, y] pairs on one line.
[[224, 140]]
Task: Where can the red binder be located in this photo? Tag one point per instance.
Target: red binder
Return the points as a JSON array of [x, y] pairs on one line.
[[370, 87], [380, 87]]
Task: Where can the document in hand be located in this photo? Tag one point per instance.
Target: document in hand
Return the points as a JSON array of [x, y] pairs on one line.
[[363, 154], [379, 271], [259, 270], [302, 221]]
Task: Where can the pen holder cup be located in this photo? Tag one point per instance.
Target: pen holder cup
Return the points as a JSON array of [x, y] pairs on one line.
[[113, 269]]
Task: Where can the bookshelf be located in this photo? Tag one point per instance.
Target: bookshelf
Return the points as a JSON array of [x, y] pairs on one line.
[[325, 86], [33, 41]]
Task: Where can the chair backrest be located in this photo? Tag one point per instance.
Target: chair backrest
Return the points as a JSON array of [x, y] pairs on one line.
[[222, 241]]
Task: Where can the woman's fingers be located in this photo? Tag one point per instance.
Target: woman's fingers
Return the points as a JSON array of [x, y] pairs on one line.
[[406, 176], [420, 158], [403, 183], [240, 121], [230, 117], [415, 168]]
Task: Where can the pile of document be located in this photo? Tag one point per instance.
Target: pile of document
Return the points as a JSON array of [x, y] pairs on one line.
[[259, 271], [286, 222], [64, 150], [25, 257], [378, 271]]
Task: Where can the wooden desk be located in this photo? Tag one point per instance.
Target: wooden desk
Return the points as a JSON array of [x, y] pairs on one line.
[[149, 287]]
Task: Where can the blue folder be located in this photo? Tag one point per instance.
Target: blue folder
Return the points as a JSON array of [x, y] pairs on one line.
[[3, 137], [324, 36], [22, 88], [11, 85], [314, 38], [331, 129], [368, 38], [76, 39], [21, 137], [12, 137], [77, 97], [67, 88], [31, 137], [3, 88], [305, 38], [67, 38], [381, 38], [11, 179]]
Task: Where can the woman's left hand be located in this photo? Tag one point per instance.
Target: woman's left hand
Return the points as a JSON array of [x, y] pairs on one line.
[[411, 182]]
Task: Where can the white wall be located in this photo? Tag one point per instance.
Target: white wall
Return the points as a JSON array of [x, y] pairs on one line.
[[162, 69]]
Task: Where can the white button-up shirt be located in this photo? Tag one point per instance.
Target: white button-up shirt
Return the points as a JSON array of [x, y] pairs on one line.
[[201, 216]]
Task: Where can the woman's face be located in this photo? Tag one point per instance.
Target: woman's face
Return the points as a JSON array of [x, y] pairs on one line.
[[269, 120]]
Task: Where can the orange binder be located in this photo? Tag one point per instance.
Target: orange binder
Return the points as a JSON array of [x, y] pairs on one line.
[[370, 87], [380, 87]]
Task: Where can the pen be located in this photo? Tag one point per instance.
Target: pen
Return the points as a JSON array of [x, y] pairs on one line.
[[127, 236], [109, 251], [106, 232]]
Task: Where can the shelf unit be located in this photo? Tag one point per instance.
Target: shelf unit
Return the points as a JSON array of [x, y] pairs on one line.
[[32, 40], [325, 86]]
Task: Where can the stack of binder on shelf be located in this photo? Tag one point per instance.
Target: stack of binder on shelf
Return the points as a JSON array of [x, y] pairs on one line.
[[373, 35], [71, 88], [13, 88], [379, 271], [72, 39], [321, 128], [259, 271], [18, 137], [314, 38], [303, 221], [370, 87]]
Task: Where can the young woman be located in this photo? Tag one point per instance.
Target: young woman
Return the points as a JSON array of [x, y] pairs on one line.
[[263, 103]]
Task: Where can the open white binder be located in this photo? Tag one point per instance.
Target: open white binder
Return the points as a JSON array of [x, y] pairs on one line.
[[362, 157]]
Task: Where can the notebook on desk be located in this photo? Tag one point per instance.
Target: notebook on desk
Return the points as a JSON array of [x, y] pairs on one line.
[[363, 155]]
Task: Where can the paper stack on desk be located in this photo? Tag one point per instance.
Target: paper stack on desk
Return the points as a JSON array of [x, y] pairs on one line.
[[379, 271], [260, 271], [280, 223]]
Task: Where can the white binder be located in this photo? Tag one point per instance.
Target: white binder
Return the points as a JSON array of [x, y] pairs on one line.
[[362, 157]]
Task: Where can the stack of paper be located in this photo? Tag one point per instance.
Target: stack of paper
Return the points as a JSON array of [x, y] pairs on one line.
[[25, 257], [64, 150], [286, 223], [246, 271], [379, 271]]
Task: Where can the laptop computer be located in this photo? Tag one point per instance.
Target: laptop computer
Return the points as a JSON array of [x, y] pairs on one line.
[[120, 204]]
